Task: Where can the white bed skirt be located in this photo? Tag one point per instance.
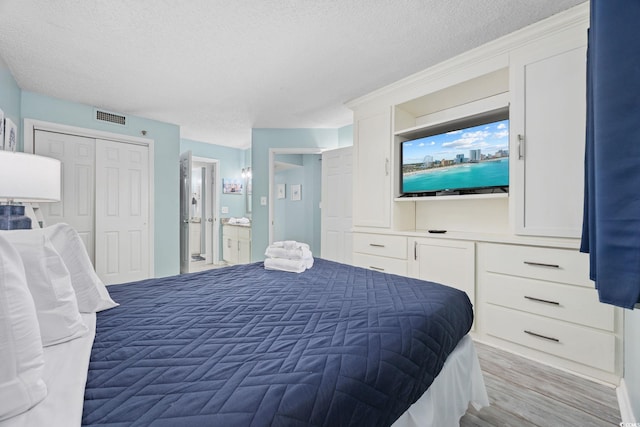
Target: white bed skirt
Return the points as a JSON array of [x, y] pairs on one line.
[[459, 384]]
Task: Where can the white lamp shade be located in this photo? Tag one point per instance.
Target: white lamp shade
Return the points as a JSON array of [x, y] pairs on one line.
[[29, 178]]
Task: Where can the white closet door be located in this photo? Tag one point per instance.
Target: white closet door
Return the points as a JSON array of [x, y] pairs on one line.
[[76, 206], [337, 205], [122, 211]]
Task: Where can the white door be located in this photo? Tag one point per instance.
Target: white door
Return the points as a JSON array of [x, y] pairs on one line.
[[210, 208], [337, 205], [185, 206], [76, 207], [122, 211], [199, 223]]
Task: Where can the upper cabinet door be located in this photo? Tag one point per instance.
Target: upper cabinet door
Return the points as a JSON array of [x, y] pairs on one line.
[[548, 110], [372, 171]]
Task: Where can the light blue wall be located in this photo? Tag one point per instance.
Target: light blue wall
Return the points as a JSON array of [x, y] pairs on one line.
[[345, 136], [10, 97], [261, 141], [232, 160], [300, 220], [166, 156], [632, 359]]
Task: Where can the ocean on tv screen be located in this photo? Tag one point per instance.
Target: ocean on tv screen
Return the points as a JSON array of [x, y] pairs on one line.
[[475, 157], [472, 175]]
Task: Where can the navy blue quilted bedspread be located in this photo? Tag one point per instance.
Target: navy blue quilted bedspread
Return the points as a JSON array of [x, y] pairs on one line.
[[242, 346]]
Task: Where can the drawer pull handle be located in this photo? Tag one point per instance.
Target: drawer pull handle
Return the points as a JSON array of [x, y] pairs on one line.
[[376, 268], [376, 245], [520, 146], [546, 301], [541, 336], [541, 264]]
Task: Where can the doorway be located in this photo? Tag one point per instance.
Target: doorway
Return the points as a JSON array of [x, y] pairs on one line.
[[199, 200], [295, 194]]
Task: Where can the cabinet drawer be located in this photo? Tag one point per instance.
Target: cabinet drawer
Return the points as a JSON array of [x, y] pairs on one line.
[[230, 232], [378, 263], [577, 343], [381, 245], [563, 302], [556, 265]]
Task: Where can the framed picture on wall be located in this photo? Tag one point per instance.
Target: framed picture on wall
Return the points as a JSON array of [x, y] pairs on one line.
[[10, 135], [296, 192], [231, 186], [281, 194]]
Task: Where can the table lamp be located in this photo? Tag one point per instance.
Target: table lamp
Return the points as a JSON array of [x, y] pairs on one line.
[[25, 178]]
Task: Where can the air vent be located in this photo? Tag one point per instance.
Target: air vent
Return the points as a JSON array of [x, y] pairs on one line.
[[105, 116]]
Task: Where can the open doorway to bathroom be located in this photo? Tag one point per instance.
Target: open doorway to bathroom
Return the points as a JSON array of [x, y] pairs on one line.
[[199, 228], [295, 193]]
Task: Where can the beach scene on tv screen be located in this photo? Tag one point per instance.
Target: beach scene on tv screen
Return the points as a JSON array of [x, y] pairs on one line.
[[473, 157]]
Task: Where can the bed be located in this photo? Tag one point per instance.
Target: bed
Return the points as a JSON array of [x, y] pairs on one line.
[[335, 345], [244, 346]]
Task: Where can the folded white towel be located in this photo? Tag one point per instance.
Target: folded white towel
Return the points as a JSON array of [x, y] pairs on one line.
[[289, 244], [298, 253], [290, 265], [235, 221], [308, 262], [288, 255]]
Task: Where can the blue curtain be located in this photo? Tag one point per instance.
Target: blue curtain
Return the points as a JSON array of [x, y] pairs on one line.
[[611, 226]]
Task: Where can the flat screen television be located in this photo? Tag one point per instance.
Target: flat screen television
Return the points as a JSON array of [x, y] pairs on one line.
[[458, 161]]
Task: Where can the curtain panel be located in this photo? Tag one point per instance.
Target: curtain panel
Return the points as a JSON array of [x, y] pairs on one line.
[[611, 226]]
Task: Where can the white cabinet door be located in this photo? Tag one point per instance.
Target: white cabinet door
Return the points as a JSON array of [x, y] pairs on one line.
[[244, 251], [236, 244], [448, 262], [229, 244], [372, 171], [548, 138], [122, 212]]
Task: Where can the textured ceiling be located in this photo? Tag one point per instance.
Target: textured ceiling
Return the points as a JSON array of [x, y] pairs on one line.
[[218, 68]]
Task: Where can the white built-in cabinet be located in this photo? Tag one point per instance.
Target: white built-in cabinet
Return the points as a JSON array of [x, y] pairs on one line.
[[380, 252], [372, 160], [450, 262], [236, 244], [515, 255], [548, 110], [539, 301]]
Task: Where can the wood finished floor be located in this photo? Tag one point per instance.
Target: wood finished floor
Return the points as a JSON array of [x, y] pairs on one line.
[[525, 393]]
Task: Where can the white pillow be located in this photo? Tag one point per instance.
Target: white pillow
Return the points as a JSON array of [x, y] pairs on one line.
[[50, 285], [21, 384], [91, 293]]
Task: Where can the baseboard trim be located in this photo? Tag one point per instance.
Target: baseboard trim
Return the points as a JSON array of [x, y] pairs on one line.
[[626, 412]]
